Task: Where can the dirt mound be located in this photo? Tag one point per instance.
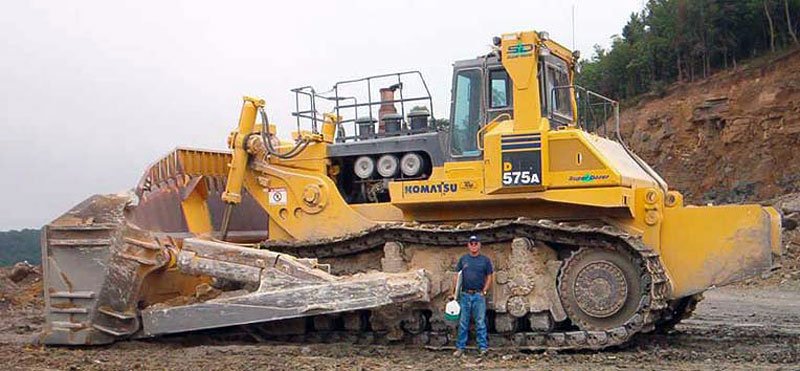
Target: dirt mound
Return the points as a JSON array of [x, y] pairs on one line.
[[21, 302], [727, 139], [21, 286]]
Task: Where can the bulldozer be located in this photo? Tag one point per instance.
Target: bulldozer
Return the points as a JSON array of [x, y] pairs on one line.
[[351, 228]]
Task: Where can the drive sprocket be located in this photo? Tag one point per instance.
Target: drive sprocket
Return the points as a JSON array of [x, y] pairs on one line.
[[601, 288]]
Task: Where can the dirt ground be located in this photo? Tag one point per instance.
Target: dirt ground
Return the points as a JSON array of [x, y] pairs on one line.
[[751, 325], [739, 328]]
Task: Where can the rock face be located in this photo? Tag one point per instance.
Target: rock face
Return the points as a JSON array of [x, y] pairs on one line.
[[734, 137], [789, 206]]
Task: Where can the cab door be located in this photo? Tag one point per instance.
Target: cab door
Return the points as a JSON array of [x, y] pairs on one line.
[[467, 114]]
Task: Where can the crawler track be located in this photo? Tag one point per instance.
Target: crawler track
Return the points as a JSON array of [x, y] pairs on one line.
[[650, 309]]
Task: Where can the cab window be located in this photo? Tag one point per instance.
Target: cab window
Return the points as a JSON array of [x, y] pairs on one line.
[[499, 89], [500, 95], [466, 113], [558, 101]]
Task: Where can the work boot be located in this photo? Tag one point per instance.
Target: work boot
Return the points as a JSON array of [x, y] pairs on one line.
[[458, 353], [483, 352]]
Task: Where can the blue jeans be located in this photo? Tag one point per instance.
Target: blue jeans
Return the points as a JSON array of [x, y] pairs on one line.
[[472, 305]]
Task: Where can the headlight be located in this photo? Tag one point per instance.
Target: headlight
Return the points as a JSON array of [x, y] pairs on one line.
[[388, 165], [364, 167]]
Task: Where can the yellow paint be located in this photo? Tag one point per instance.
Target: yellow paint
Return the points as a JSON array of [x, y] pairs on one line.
[[195, 208], [700, 246], [297, 216], [237, 140], [380, 212], [705, 246], [522, 70], [329, 127], [572, 155]]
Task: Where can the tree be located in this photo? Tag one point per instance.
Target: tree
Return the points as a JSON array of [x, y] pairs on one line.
[[789, 22], [683, 40], [771, 27], [16, 246]]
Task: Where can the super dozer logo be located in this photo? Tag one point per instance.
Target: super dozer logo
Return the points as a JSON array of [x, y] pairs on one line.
[[522, 168], [520, 50], [587, 178], [431, 188]]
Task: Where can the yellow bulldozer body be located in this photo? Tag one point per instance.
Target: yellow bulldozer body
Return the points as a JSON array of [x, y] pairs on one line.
[[702, 246], [580, 177]]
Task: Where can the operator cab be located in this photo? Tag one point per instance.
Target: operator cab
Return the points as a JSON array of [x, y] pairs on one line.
[[483, 91], [387, 130]]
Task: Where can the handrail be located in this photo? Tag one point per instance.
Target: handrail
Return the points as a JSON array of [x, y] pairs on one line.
[[339, 102], [615, 107], [492, 123]]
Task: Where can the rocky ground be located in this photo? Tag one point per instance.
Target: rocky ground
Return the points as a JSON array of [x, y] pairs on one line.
[[753, 325], [739, 328]]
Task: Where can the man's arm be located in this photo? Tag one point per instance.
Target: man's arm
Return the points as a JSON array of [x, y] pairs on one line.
[[489, 276], [455, 278], [488, 284]]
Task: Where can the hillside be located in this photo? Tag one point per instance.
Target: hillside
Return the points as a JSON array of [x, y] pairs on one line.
[[18, 246], [730, 138]]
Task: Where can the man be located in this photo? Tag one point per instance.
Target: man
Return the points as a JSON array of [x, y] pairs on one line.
[[476, 279]]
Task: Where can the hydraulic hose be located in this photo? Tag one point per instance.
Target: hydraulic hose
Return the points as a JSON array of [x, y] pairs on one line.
[[296, 150]]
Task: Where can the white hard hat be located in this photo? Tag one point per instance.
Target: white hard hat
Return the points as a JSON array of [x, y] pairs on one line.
[[452, 311]]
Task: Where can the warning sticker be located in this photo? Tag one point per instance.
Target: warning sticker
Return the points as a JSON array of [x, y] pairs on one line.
[[277, 196]]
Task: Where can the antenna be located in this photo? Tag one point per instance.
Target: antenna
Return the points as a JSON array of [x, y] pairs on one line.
[[573, 26]]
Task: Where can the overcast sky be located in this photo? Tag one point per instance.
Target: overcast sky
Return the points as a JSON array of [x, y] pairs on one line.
[[91, 92]]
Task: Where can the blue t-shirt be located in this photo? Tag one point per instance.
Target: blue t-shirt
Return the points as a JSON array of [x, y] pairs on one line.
[[474, 270]]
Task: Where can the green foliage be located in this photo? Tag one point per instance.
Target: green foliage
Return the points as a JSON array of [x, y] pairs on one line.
[[685, 40], [16, 246], [441, 124]]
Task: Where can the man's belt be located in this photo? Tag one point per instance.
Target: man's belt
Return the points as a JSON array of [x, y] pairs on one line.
[[471, 291]]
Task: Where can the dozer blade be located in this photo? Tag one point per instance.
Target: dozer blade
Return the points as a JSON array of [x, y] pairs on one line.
[[288, 288], [95, 264]]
